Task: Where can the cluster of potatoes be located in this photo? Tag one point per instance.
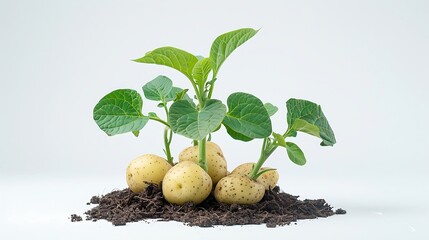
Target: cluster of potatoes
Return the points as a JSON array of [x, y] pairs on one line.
[[186, 181]]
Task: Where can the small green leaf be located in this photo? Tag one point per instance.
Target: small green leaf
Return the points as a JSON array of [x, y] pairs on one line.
[[120, 112], [160, 105], [158, 88], [152, 115], [181, 95], [280, 139], [306, 116], [295, 154], [226, 43], [186, 120], [171, 57], [173, 94], [247, 116], [271, 109], [201, 71], [136, 133]]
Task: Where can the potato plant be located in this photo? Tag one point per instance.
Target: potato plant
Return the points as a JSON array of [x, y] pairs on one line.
[[244, 116]]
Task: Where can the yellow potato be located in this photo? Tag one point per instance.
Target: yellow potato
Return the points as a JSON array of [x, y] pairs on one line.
[[239, 189], [215, 160], [146, 169], [186, 182], [268, 179]]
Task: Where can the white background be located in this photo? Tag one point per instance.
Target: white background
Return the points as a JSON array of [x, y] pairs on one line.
[[365, 62]]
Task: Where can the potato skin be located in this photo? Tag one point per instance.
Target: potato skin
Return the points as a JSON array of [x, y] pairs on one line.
[[238, 189], [146, 168], [216, 163], [186, 182], [268, 179]]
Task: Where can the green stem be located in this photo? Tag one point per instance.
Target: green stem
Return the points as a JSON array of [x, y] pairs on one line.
[[201, 95], [167, 141], [266, 151], [202, 154], [160, 120], [212, 86], [168, 136], [197, 92], [287, 133]]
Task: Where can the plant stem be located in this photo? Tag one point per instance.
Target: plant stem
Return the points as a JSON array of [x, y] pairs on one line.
[[197, 92], [202, 154], [262, 158], [267, 149], [201, 95], [167, 141], [212, 86], [160, 120], [168, 136]]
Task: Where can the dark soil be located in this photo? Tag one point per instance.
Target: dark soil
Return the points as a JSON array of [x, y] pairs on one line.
[[75, 218], [275, 209]]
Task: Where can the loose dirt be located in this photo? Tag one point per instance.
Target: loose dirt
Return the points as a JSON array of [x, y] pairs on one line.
[[275, 209]]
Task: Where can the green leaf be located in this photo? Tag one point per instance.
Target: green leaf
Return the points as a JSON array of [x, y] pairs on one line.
[[177, 94], [247, 116], [160, 105], [280, 139], [152, 115], [271, 109], [171, 57], [201, 70], [295, 154], [173, 93], [158, 88], [306, 116], [237, 136], [226, 43], [186, 120], [120, 112]]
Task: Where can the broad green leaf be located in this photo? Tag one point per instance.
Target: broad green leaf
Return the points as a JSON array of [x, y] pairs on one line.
[[236, 135], [171, 57], [226, 43], [280, 139], [186, 120], [247, 116], [201, 70], [271, 109], [120, 112], [295, 153], [158, 88], [303, 126], [306, 116]]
